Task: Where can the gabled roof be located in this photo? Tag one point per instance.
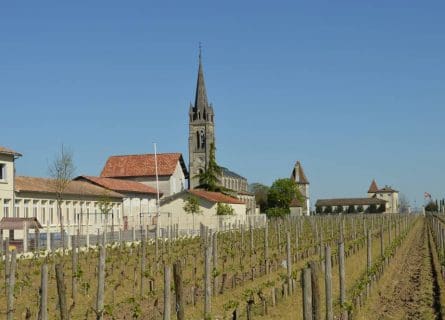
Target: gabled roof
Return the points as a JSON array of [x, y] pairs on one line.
[[78, 188], [19, 223], [298, 174], [349, 202], [373, 187], [119, 185], [142, 165], [7, 151], [295, 203]]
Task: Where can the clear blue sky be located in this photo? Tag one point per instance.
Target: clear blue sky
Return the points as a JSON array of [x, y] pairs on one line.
[[353, 89]]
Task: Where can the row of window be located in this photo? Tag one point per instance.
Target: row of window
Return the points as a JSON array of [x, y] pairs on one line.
[[44, 211]]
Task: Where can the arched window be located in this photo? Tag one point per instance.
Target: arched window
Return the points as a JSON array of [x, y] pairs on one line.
[[198, 140], [202, 139]]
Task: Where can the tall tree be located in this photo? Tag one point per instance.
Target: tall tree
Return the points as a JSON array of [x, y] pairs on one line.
[[281, 194], [61, 170], [210, 178]]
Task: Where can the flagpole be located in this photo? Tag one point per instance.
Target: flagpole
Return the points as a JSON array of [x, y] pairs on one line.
[[157, 191]]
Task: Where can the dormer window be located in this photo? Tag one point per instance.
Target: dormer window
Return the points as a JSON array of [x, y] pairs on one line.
[[2, 171]]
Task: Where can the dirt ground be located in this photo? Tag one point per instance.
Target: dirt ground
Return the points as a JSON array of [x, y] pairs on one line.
[[409, 288]]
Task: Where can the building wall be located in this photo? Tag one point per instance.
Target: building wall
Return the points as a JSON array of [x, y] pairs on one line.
[[168, 185], [7, 185]]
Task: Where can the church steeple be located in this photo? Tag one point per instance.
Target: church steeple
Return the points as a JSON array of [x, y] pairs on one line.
[[201, 129], [201, 102]]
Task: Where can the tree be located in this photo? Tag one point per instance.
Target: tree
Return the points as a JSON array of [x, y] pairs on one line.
[[431, 206], [372, 208], [328, 209], [339, 209], [224, 209], [276, 212], [403, 204], [61, 170], [319, 209], [360, 209], [281, 194], [192, 207], [351, 209], [260, 191], [210, 178], [105, 208]]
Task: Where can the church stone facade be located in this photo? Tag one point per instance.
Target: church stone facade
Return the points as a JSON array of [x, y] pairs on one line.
[[201, 137]]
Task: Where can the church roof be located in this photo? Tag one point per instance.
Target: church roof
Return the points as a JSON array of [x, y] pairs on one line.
[[201, 101], [373, 187], [142, 165], [298, 174], [228, 173], [119, 185]]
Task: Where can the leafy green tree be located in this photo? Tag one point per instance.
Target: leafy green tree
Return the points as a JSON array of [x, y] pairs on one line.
[[224, 209], [192, 207], [319, 209], [260, 191], [339, 209], [276, 212], [372, 208], [210, 179], [360, 209], [281, 194], [328, 209], [351, 209]]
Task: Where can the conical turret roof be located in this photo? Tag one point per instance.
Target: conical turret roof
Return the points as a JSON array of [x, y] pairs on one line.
[[298, 174], [373, 187]]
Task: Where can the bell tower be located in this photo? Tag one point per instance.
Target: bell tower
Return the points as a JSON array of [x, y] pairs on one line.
[[201, 130]]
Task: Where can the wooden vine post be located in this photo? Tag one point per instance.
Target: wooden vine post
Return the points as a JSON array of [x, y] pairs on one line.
[[43, 305], [266, 247], [101, 284], [316, 295], [307, 294], [61, 292], [289, 265], [179, 290], [167, 299], [328, 283], [11, 285], [341, 267], [207, 276]]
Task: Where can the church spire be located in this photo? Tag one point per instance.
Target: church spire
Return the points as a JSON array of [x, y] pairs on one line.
[[201, 102]]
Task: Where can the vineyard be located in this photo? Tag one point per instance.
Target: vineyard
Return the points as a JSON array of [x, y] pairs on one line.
[[330, 267]]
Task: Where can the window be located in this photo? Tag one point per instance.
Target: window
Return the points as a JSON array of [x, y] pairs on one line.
[[27, 209], [17, 209], [34, 209], [6, 208], [2, 171]]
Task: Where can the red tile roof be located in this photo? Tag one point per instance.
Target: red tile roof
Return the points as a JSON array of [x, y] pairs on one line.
[[373, 187], [215, 196], [4, 150], [295, 203], [142, 165], [119, 185], [78, 188]]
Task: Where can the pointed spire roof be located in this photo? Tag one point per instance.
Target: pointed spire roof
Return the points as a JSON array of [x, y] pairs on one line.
[[201, 93], [298, 174], [373, 187]]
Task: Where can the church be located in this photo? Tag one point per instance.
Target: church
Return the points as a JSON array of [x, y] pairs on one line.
[[202, 137]]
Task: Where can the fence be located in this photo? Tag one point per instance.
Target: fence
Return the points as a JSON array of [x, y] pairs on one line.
[[171, 226]]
